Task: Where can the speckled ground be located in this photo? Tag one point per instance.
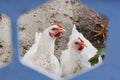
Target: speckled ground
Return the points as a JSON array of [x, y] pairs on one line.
[[5, 40]]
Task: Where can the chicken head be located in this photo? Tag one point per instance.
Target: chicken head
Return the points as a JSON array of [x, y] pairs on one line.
[[56, 30], [78, 44]]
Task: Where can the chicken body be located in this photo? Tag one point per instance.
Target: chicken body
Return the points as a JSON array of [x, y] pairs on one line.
[[71, 59], [69, 62], [41, 55], [45, 57]]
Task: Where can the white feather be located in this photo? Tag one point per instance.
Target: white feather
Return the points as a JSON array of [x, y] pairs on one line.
[[41, 55], [70, 59], [29, 55]]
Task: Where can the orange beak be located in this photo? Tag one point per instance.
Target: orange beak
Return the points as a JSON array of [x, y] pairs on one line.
[[84, 45], [62, 30]]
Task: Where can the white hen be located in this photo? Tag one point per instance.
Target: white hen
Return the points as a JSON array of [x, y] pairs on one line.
[[79, 51], [89, 50], [43, 58]]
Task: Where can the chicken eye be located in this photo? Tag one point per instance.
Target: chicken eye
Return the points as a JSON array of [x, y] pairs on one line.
[[76, 43]]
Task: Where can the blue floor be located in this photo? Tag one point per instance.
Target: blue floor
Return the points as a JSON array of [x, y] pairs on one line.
[[108, 71]]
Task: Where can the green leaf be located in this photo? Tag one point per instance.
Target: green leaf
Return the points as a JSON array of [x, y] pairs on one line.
[[100, 52], [77, 70], [94, 59]]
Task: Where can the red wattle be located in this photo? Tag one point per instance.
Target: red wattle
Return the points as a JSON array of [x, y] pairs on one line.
[[57, 35], [80, 48]]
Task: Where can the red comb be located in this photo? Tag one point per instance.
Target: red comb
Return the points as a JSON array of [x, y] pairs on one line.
[[80, 39], [58, 25]]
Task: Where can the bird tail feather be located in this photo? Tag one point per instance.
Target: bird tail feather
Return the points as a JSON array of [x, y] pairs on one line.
[[73, 31]]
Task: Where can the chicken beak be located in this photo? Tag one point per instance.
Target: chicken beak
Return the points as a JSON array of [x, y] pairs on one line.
[[62, 30], [84, 45]]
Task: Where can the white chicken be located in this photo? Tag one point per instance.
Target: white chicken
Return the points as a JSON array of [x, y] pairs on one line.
[[79, 51], [41, 55]]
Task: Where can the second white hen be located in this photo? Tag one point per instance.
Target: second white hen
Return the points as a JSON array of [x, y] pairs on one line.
[[79, 51]]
